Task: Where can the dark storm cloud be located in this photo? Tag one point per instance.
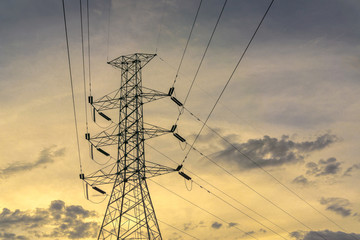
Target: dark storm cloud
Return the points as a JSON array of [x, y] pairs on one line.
[[47, 156], [324, 167], [64, 221], [216, 225], [339, 206], [326, 234], [272, 151]]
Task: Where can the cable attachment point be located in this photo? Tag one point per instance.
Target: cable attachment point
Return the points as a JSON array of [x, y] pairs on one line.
[[185, 176], [176, 101], [171, 91], [179, 137], [82, 176]]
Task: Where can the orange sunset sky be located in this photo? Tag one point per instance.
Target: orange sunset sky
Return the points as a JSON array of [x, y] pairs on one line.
[[292, 106]]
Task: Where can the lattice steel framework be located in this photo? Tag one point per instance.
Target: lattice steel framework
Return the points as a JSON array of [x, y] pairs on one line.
[[130, 213]]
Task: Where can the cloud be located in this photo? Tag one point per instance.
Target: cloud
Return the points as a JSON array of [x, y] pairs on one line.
[[246, 234], [56, 221], [216, 225], [12, 236], [47, 155], [328, 168], [326, 234], [324, 167], [272, 151], [351, 169], [262, 230], [232, 224], [301, 180], [338, 205]]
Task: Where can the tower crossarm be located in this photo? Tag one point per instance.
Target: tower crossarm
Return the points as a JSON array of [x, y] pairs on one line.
[[151, 131], [108, 174], [100, 179], [112, 100], [150, 95], [127, 61], [111, 135], [105, 175], [107, 137], [107, 102], [155, 169]]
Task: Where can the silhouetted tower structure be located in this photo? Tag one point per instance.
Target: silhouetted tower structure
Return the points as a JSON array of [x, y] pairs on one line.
[[130, 213]]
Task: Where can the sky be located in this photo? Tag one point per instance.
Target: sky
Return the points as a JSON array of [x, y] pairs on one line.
[[292, 107]]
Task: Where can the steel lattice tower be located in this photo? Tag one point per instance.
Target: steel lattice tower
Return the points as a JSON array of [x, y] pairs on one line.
[[130, 213]]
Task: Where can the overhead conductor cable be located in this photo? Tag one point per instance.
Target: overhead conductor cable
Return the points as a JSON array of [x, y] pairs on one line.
[[180, 167], [228, 81], [202, 59], [72, 86], [187, 43], [221, 219]]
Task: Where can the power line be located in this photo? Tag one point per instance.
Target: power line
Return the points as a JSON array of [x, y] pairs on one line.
[[247, 156], [108, 33], [202, 58], [88, 35], [237, 209], [72, 86], [178, 229], [187, 43], [220, 190], [231, 75], [263, 169], [160, 25], [252, 189], [83, 65], [211, 96], [223, 200], [203, 209]]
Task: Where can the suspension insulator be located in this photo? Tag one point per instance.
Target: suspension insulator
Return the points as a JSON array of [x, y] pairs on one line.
[[179, 137], [171, 91], [104, 116], [103, 152], [91, 99], [176, 101], [173, 128], [87, 136], [82, 176], [91, 152], [179, 167], [87, 191], [99, 190], [185, 176], [94, 119]]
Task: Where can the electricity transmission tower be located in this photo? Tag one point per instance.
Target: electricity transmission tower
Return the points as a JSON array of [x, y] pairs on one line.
[[130, 213]]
